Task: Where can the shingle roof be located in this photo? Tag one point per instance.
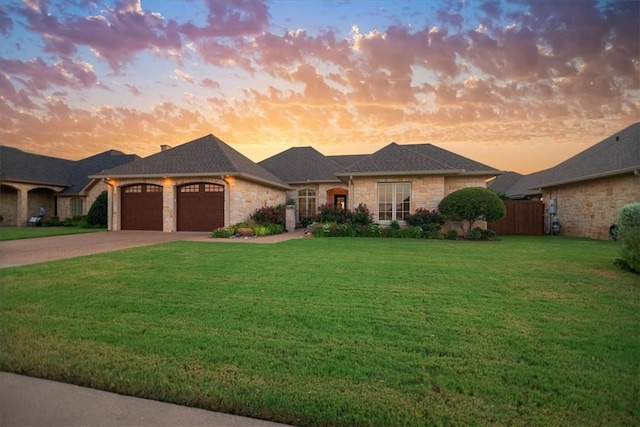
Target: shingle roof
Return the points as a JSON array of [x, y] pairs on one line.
[[17, 165], [207, 155], [619, 153], [416, 159], [348, 159], [302, 164], [80, 172]]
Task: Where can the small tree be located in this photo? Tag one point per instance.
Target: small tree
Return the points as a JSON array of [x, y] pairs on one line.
[[98, 211], [629, 236], [469, 205]]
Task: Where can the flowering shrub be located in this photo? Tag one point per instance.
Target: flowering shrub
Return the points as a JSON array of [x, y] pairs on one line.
[[269, 215]]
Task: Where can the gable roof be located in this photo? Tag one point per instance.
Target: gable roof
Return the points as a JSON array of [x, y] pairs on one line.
[[347, 159], [80, 172], [299, 165], [416, 159], [19, 166], [207, 155], [615, 155]]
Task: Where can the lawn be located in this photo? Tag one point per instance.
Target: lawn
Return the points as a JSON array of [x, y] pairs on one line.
[[349, 332], [14, 233]]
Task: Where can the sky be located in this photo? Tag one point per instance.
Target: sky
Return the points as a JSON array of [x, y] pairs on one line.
[[517, 85]]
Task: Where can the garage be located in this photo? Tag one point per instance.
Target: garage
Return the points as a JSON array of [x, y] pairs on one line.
[[142, 207], [200, 207]]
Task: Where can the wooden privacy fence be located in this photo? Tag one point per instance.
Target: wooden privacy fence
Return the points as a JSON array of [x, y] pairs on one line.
[[524, 217]]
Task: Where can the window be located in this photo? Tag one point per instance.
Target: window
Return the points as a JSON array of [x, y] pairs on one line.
[[154, 189], [213, 188], [133, 189], [193, 188], [306, 203], [394, 201], [76, 206]]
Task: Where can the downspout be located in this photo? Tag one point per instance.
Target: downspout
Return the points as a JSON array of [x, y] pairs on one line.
[[351, 202], [110, 192]]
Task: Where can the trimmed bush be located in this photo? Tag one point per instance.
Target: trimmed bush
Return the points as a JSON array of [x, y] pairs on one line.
[[429, 221], [629, 237], [269, 215], [451, 235], [98, 212], [469, 205]]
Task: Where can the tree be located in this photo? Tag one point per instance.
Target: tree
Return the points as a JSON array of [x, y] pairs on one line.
[[98, 211], [470, 205], [629, 236]]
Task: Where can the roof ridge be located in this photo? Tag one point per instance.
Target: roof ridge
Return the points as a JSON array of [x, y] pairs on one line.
[[425, 156]]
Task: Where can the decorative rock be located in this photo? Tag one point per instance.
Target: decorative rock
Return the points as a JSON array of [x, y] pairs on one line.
[[245, 232]]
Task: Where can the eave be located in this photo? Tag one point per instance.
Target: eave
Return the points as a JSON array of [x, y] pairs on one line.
[[635, 170], [221, 175]]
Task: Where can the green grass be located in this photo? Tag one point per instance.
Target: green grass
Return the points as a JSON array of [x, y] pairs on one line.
[[382, 332], [14, 233]]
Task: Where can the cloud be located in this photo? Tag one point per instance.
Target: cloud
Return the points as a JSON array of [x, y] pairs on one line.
[[37, 75], [116, 36], [6, 23], [231, 19], [133, 89], [207, 82], [184, 76]]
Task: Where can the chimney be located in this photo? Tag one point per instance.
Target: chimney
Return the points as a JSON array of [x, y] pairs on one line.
[[165, 147]]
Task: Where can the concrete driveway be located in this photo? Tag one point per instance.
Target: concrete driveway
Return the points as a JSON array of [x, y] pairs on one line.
[[31, 251]]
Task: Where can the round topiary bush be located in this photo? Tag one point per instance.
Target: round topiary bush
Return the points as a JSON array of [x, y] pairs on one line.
[[468, 205]]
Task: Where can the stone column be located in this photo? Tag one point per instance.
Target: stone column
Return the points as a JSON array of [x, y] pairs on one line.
[[290, 218]]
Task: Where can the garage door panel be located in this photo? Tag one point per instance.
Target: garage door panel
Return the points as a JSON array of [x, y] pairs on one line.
[[200, 207], [141, 207]]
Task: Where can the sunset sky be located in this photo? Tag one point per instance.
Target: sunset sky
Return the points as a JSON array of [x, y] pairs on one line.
[[516, 85]]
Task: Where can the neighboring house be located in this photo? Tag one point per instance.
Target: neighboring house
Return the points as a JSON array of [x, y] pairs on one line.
[[63, 187], [197, 186], [586, 191], [393, 182]]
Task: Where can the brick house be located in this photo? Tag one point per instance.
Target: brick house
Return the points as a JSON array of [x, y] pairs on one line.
[[587, 190], [62, 187]]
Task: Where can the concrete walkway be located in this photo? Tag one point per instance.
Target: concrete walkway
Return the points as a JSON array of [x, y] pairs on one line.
[[26, 401], [33, 402]]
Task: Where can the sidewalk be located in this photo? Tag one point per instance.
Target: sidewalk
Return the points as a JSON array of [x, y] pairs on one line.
[[26, 401]]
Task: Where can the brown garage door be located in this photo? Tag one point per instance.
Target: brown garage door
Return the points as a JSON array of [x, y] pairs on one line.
[[141, 207], [200, 207]]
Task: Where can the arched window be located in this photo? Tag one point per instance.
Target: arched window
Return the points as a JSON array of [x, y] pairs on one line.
[[306, 203]]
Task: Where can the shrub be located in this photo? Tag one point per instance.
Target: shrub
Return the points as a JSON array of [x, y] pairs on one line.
[[98, 211], [475, 234], [223, 232], [331, 213], [269, 215], [54, 221], [361, 216], [451, 235], [429, 221], [629, 236], [469, 205]]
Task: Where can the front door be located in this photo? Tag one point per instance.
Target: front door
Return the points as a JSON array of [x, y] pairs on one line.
[[340, 201]]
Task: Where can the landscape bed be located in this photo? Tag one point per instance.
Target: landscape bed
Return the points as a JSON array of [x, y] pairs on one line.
[[352, 331]]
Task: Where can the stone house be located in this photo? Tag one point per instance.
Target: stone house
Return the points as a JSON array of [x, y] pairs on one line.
[[63, 187], [197, 186], [585, 192], [205, 184], [393, 182]]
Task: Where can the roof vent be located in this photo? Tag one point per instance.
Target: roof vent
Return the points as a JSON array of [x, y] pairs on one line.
[[165, 147], [617, 137]]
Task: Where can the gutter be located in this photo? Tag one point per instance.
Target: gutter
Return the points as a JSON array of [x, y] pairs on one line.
[[633, 170], [243, 175]]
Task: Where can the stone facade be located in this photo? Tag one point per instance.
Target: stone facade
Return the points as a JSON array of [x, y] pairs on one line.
[[241, 198], [19, 202], [426, 191], [588, 208]]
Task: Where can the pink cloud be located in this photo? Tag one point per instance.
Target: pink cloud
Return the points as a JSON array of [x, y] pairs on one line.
[[207, 82], [38, 75], [133, 89], [232, 19], [116, 36]]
